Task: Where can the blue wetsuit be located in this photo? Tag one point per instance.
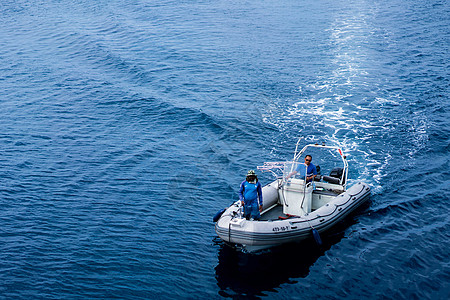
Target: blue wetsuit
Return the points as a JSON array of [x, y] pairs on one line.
[[251, 194]]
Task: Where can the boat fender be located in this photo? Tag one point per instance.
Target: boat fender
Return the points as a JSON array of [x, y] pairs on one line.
[[218, 215], [316, 236]]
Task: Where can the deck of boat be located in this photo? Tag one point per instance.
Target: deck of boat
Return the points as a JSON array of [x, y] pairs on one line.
[[273, 214]]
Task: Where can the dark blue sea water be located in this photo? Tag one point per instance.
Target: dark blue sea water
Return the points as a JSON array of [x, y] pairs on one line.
[[125, 125]]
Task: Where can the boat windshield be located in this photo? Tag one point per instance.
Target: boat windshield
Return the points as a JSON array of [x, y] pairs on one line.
[[294, 169]]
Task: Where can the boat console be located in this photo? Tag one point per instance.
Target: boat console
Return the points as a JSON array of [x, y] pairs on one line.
[[296, 197]]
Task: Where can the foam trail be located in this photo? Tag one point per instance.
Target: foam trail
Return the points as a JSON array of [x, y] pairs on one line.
[[348, 105]]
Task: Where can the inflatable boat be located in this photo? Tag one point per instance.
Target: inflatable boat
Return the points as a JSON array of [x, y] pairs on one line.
[[293, 208]]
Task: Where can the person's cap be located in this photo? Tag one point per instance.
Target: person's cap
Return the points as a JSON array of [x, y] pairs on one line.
[[251, 173]]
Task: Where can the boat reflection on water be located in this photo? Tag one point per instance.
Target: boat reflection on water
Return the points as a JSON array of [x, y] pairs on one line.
[[240, 273]]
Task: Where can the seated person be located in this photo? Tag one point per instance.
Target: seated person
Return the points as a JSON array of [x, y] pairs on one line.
[[307, 169]]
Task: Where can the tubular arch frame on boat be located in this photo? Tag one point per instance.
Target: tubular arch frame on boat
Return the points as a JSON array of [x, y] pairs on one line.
[[293, 208]]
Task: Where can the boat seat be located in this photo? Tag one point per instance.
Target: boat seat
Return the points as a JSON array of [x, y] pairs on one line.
[[330, 179]]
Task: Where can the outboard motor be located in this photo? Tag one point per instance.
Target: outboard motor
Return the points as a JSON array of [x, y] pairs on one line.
[[337, 172]]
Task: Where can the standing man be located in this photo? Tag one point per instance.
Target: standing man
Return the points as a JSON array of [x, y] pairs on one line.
[[307, 168], [250, 195]]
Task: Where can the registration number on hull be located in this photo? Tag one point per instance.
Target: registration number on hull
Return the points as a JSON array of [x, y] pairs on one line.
[[282, 228]]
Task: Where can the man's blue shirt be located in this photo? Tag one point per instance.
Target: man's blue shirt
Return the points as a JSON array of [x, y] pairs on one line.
[[301, 168]]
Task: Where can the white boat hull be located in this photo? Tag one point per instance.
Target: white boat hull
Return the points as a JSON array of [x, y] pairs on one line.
[[265, 233]]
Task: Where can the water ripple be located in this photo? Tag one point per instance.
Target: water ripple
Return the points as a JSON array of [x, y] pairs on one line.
[[125, 126]]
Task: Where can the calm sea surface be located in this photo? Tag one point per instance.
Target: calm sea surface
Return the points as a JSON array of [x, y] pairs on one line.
[[125, 125]]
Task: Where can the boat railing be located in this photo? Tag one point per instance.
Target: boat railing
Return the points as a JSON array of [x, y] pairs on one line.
[[281, 169], [274, 167], [298, 155]]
